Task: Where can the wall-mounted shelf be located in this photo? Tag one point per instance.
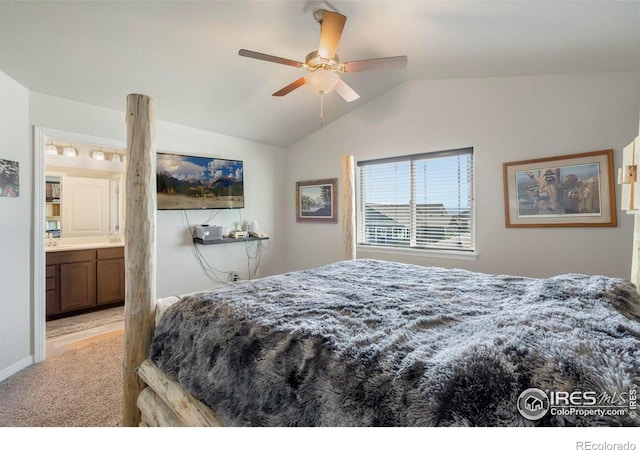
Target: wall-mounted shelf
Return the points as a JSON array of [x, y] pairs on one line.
[[228, 240]]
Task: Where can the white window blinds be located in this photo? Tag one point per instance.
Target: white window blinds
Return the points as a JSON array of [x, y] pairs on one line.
[[419, 201]]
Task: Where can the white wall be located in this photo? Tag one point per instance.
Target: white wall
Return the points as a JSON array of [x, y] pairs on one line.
[[504, 119], [264, 168], [15, 232], [178, 270]]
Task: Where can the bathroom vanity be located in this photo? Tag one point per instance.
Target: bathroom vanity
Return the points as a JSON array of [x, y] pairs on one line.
[[84, 277]]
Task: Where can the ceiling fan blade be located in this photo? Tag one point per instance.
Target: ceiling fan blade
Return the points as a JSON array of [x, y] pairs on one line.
[[330, 32], [393, 62], [270, 58], [290, 87], [345, 91]]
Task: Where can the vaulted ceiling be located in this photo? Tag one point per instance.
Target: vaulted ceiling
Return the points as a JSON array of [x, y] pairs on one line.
[[185, 54]]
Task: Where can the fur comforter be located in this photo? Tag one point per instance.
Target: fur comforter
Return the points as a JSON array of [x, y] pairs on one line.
[[373, 343]]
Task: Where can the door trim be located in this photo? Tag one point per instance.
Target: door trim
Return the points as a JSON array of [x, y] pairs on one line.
[[40, 136]]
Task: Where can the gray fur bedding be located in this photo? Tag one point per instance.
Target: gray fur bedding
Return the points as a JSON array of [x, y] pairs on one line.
[[377, 343]]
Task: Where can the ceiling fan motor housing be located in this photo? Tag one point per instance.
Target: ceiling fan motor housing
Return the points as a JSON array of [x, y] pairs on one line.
[[314, 61]]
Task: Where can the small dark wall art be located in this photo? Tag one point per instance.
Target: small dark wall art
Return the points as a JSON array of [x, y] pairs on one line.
[[316, 201], [9, 178]]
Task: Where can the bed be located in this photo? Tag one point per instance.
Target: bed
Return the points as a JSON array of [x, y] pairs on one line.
[[377, 343], [370, 343]]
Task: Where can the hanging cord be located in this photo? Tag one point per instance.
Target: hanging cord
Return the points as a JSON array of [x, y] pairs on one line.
[[212, 216], [257, 256], [321, 109], [210, 271]]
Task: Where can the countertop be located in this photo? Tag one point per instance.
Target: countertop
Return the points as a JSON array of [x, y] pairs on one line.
[[62, 247]]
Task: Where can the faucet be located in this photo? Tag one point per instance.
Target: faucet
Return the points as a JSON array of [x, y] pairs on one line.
[[50, 241], [114, 236]]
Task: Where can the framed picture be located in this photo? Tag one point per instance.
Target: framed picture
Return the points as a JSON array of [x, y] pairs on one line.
[[563, 191], [9, 178], [317, 201]]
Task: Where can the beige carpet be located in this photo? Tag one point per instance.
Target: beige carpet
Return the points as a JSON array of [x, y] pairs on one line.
[[73, 324], [82, 387]]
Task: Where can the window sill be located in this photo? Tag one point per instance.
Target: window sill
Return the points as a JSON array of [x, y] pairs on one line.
[[445, 254]]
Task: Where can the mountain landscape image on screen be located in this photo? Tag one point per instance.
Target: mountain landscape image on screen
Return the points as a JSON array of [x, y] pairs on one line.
[[189, 182]]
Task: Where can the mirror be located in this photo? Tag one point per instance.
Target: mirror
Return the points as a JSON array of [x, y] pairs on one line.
[[84, 190]]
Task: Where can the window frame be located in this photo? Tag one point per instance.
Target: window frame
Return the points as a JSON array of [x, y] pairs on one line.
[[412, 249]]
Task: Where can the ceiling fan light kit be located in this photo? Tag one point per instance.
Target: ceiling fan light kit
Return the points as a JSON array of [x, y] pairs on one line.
[[323, 65], [322, 81]]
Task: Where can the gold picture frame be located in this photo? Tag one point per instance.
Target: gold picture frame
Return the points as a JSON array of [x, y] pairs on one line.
[[574, 190], [317, 201]]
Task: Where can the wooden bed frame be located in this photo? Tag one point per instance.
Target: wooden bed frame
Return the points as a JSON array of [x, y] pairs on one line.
[[150, 397]]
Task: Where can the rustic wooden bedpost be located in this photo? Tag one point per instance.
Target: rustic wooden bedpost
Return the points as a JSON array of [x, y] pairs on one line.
[[348, 207], [140, 246], [635, 258]]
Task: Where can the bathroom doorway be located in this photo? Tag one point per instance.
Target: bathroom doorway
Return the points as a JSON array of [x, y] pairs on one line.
[[78, 231]]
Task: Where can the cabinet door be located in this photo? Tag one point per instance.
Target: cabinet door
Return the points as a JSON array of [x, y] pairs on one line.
[[77, 285], [110, 280], [85, 207]]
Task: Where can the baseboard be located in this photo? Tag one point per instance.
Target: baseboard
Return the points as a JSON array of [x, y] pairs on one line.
[[16, 367]]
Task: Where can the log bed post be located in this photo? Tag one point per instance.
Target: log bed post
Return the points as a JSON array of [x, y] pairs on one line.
[[348, 207], [635, 258], [140, 247]]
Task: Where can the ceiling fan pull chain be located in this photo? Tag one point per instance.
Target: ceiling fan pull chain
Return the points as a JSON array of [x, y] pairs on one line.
[[322, 109]]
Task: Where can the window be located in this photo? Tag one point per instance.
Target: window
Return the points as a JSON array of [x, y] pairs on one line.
[[420, 201]]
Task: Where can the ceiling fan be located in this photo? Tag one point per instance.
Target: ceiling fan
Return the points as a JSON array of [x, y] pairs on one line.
[[323, 65]]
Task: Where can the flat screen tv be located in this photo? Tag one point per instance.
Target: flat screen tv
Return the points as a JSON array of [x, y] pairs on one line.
[[198, 182]]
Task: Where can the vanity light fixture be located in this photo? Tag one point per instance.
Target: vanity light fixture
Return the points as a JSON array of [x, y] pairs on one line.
[[98, 155], [70, 151], [115, 158], [52, 149]]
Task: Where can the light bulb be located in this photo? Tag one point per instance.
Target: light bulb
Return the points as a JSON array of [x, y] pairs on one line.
[[69, 151]]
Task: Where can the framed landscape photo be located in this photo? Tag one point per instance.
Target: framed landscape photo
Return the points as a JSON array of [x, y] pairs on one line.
[[563, 191], [317, 201]]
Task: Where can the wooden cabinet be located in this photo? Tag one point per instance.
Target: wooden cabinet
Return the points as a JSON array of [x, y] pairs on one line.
[[110, 271], [82, 280], [85, 209], [77, 285]]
